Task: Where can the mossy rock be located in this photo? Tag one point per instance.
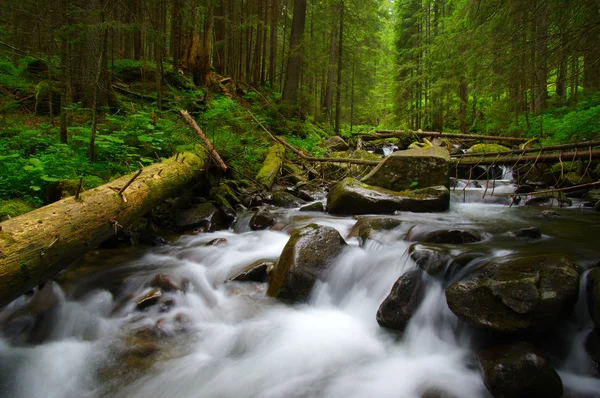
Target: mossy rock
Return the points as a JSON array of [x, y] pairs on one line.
[[487, 148], [336, 171], [517, 295], [568, 167], [317, 206], [13, 208], [412, 169], [225, 198], [350, 196], [306, 258], [335, 144], [272, 166], [366, 227], [286, 200], [294, 173]]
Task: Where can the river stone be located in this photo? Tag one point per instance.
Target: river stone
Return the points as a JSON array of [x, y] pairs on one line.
[[402, 302], [592, 347], [413, 168], [365, 226], [305, 258], [148, 299], [518, 370], [317, 206], [527, 233], [449, 236], [205, 216], [262, 219], [335, 144], [255, 272], [438, 260], [555, 199], [286, 200], [350, 196], [165, 282], [593, 293], [516, 295]]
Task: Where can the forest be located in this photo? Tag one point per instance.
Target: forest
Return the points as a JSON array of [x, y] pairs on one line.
[[98, 84]]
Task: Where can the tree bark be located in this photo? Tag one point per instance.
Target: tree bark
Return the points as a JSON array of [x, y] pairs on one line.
[[37, 245], [294, 66], [338, 98]]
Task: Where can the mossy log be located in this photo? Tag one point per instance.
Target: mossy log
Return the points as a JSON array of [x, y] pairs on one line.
[[584, 144], [272, 166], [37, 245]]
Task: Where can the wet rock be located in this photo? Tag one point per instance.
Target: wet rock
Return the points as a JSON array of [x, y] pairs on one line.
[[592, 347], [307, 255], [286, 200], [524, 188], [353, 197], [335, 144], [149, 299], [402, 302], [165, 282], [556, 199], [365, 227], [550, 214], [527, 233], [516, 295], [410, 169], [168, 304], [448, 236], [317, 206], [519, 370], [437, 260], [206, 217], [593, 295], [255, 272], [262, 219], [225, 199], [217, 242], [467, 172]]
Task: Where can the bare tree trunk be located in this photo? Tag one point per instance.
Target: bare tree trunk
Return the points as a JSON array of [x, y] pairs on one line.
[[273, 53], [294, 66], [338, 99], [327, 104], [101, 61], [541, 67]]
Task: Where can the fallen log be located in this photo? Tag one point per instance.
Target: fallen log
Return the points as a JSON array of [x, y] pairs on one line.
[[211, 149], [585, 144], [399, 133], [34, 247], [540, 158]]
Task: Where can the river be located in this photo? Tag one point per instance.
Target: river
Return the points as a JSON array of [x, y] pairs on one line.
[[227, 339]]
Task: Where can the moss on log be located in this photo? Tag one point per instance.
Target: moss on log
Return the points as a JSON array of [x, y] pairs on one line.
[[37, 245], [272, 166]]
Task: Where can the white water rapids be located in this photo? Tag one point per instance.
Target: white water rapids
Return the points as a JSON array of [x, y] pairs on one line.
[[230, 340]]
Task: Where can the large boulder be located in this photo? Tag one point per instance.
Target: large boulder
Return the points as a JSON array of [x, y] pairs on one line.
[[402, 302], [518, 370], [206, 217], [286, 200], [593, 291], [516, 295], [350, 196], [305, 258], [335, 144], [410, 169], [271, 166]]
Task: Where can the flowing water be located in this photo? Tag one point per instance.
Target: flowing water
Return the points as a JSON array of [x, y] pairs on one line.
[[227, 339]]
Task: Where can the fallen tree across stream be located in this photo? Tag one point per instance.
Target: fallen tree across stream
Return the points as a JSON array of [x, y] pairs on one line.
[[539, 158], [35, 246], [575, 145], [381, 134]]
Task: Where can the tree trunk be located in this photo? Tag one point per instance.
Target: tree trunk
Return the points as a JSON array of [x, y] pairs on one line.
[[541, 64], [273, 53], [294, 66], [591, 51], [327, 104], [37, 245], [338, 99]]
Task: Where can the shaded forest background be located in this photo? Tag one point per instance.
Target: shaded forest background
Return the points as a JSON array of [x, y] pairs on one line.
[[106, 77]]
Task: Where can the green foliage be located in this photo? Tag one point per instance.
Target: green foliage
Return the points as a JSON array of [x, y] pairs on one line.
[[14, 208]]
